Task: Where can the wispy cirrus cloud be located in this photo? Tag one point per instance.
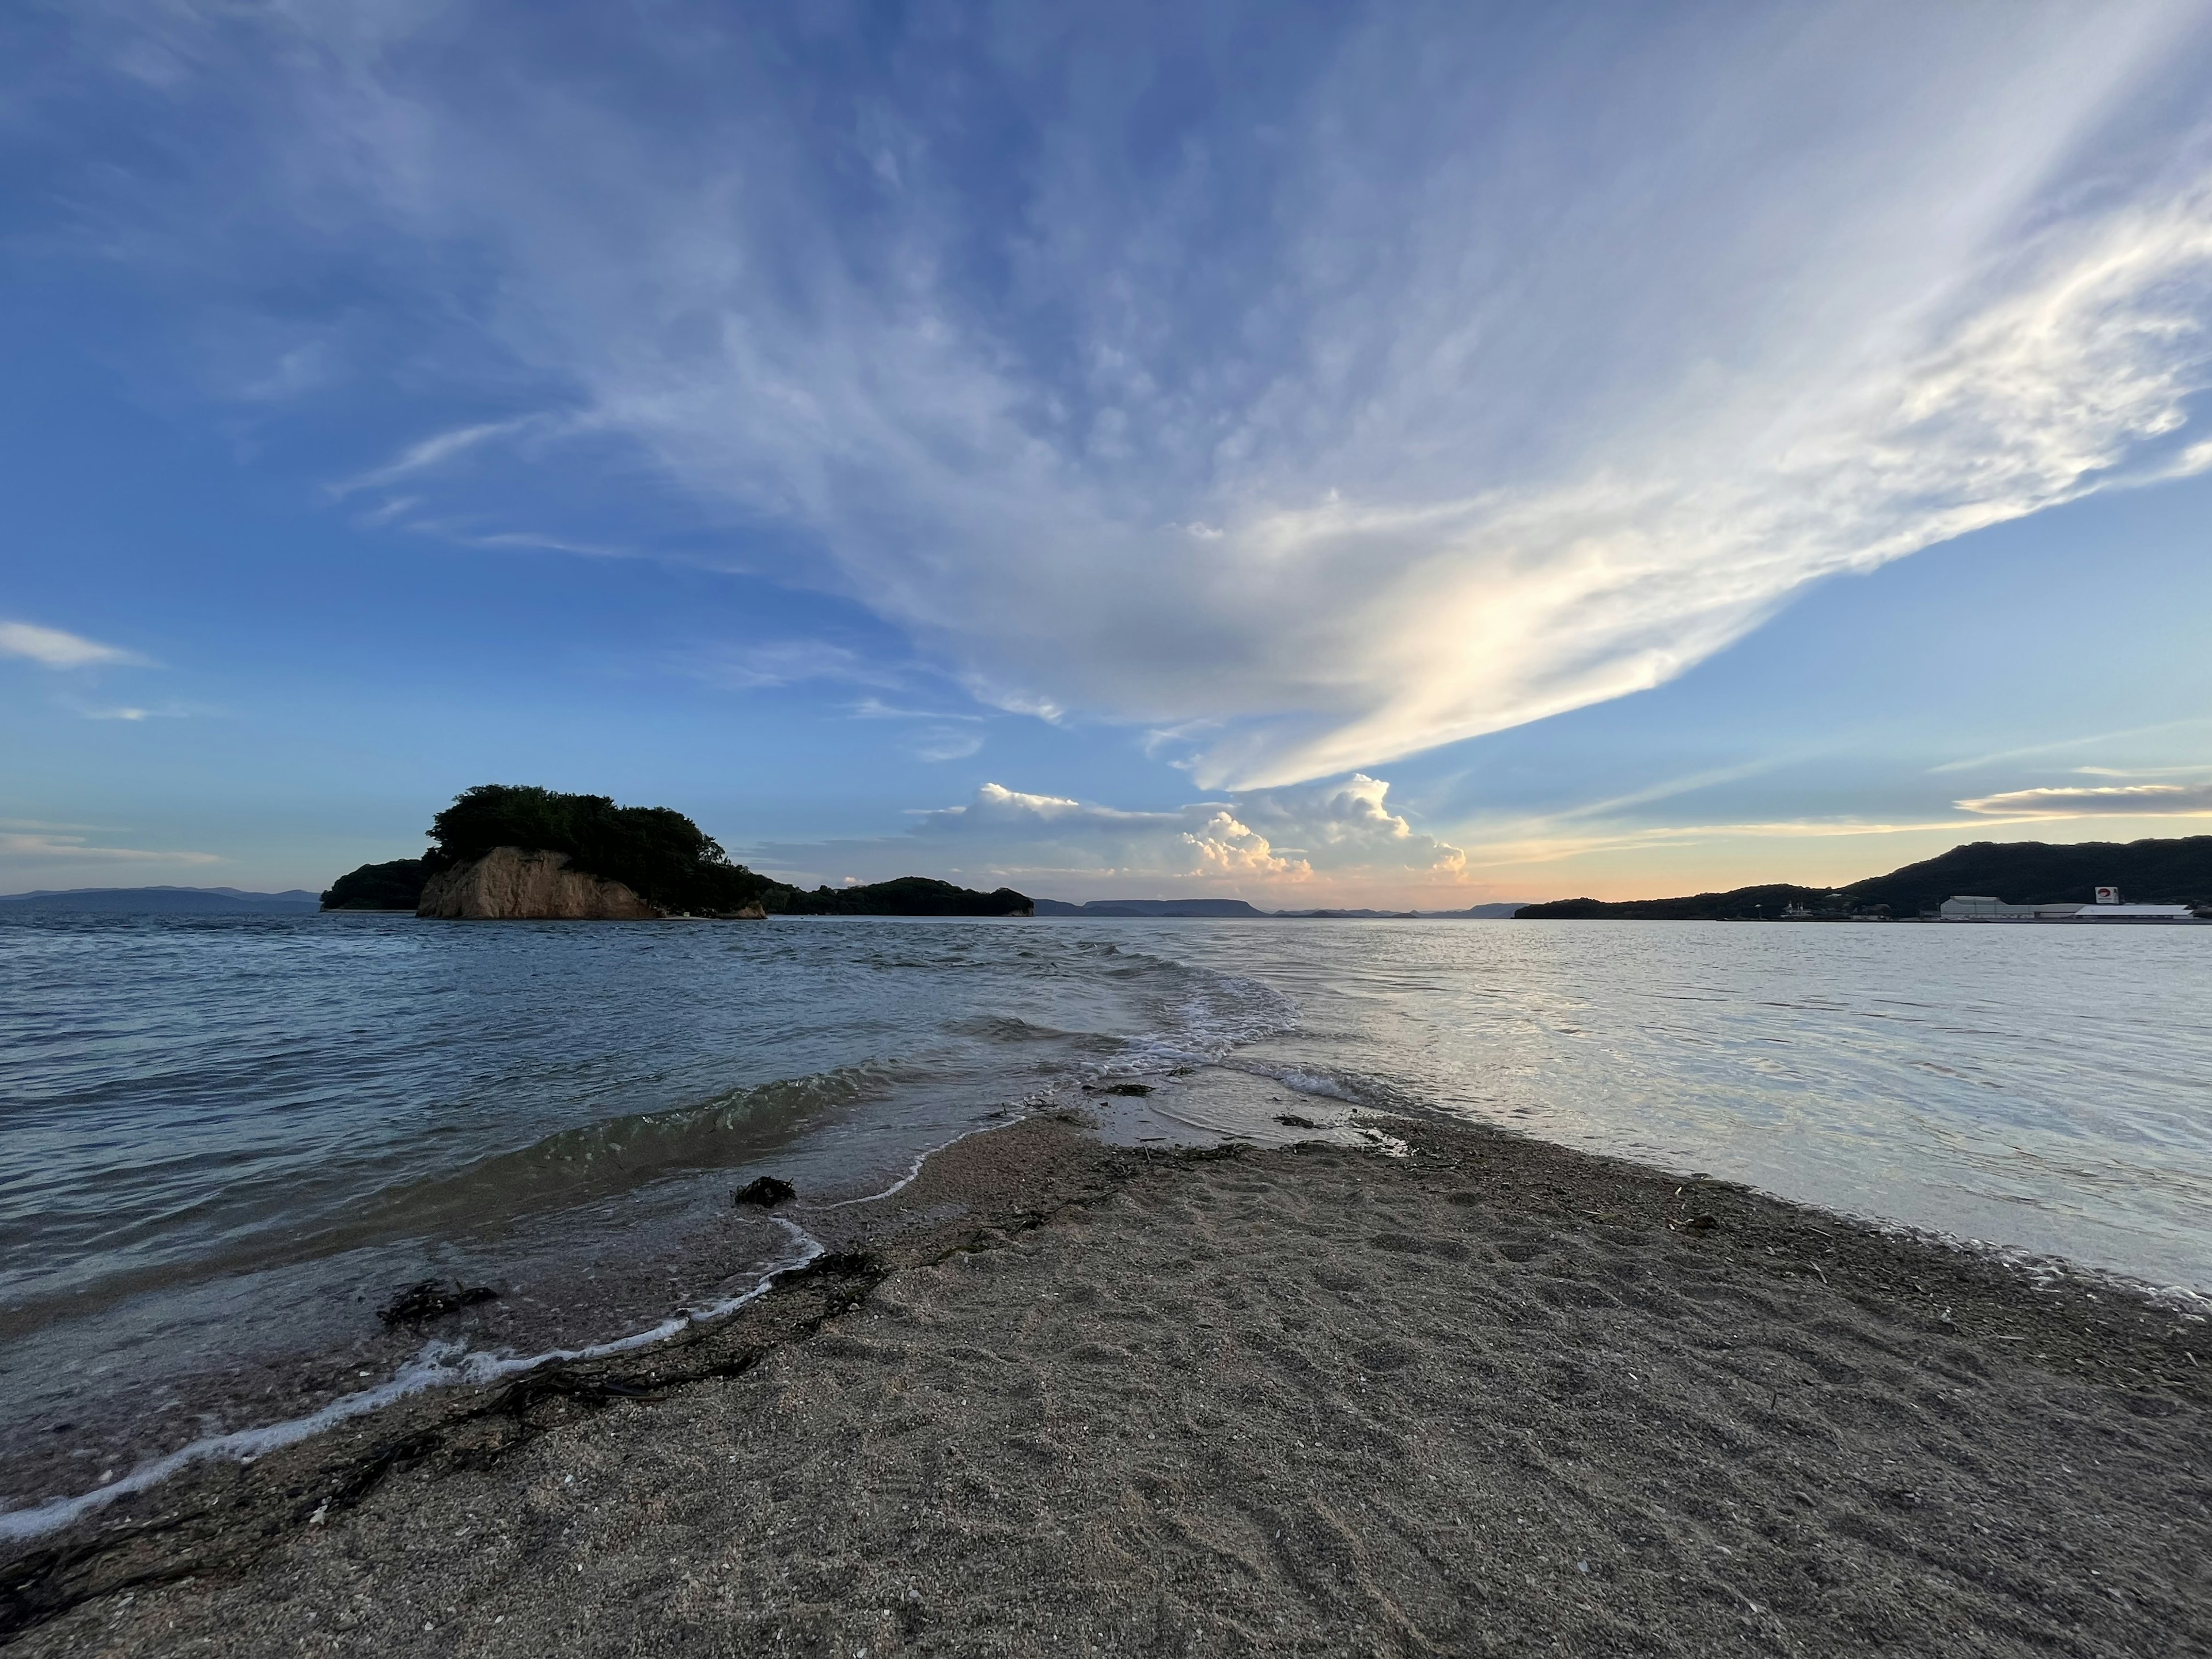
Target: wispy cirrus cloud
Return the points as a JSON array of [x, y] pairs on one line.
[[875, 709], [137, 713], [1321, 424], [44, 846], [1975, 763], [54, 647], [2109, 800], [946, 743], [426, 454], [786, 662]]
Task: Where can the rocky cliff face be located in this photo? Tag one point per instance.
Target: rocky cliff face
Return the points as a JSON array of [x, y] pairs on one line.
[[508, 884]]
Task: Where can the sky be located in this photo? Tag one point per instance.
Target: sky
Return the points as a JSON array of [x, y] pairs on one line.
[[1390, 454]]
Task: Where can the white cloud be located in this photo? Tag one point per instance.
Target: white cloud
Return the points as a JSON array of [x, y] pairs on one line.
[[1430, 415], [428, 454], [946, 743], [1974, 762], [875, 709], [1347, 824], [2126, 801], [396, 507], [1253, 844], [1204, 844], [36, 847], [56, 649], [786, 662]]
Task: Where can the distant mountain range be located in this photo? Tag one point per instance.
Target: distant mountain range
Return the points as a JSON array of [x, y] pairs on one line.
[[1473, 913], [161, 901], [1210, 907], [1192, 907], [2177, 871]]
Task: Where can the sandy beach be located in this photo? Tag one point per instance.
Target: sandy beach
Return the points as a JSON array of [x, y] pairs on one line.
[[1058, 1396]]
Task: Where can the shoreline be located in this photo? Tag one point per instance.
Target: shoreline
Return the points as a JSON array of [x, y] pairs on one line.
[[1484, 1280]]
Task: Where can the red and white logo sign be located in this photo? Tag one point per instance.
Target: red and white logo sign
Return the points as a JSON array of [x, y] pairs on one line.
[[2108, 896]]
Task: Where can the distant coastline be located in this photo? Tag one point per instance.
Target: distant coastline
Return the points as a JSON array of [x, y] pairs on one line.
[[158, 900], [2016, 875], [1238, 909], [2020, 874]]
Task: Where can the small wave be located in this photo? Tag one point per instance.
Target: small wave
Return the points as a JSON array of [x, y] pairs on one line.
[[440, 1365], [618, 1154], [1009, 1028], [1210, 1014], [1373, 1094], [570, 1167]]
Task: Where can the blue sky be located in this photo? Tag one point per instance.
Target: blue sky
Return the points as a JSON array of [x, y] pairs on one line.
[[1397, 454]]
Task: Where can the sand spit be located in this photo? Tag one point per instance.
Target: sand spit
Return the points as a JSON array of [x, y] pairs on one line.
[[1057, 1397]]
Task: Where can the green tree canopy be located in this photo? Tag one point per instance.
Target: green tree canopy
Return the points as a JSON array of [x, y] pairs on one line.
[[655, 851]]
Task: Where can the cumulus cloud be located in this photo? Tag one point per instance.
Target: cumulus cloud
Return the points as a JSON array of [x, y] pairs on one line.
[[1253, 844], [1320, 424], [2119, 800], [1205, 842], [54, 648]]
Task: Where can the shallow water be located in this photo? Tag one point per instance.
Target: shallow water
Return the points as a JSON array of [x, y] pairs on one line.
[[224, 1141]]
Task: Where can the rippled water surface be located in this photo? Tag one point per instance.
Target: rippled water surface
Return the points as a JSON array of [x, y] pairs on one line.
[[223, 1140]]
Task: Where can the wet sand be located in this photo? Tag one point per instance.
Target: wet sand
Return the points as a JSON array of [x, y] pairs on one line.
[[1062, 1397]]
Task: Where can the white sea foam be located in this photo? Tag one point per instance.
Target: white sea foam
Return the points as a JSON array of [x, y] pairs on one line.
[[440, 1365]]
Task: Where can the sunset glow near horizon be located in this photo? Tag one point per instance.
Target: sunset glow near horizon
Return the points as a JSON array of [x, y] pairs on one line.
[[1331, 456]]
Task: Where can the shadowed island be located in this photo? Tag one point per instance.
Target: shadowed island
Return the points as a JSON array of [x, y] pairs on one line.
[[515, 852]]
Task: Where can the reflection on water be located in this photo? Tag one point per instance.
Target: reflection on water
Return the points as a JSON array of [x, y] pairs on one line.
[[2046, 1089]]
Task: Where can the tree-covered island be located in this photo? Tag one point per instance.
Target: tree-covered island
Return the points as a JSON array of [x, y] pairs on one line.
[[659, 854]]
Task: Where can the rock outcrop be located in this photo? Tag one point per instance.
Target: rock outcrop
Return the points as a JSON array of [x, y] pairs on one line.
[[510, 885]]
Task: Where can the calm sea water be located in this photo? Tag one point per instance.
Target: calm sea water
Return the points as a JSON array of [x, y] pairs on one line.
[[224, 1141]]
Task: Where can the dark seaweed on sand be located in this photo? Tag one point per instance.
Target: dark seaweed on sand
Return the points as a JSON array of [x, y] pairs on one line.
[[432, 1298], [765, 1191]]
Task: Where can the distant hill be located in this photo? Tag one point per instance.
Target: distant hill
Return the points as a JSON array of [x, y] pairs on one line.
[[2151, 871], [1238, 907], [161, 901], [905, 895], [2176, 870], [1477, 912], [1191, 907], [1739, 904]]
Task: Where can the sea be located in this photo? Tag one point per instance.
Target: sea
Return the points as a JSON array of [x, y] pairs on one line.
[[228, 1142]]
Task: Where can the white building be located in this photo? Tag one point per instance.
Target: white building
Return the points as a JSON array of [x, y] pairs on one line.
[[1973, 907], [2117, 912]]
